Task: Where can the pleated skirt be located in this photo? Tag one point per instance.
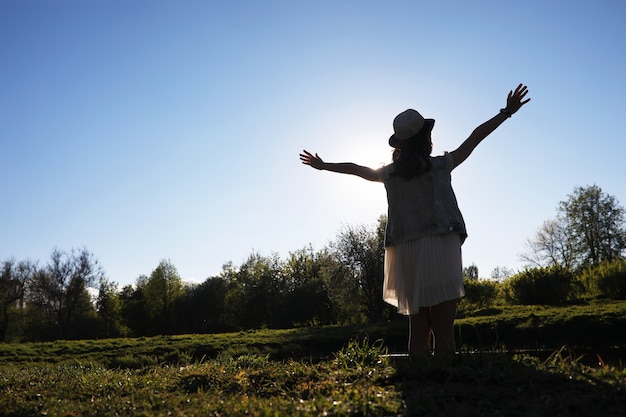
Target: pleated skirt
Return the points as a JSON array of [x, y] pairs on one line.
[[423, 272]]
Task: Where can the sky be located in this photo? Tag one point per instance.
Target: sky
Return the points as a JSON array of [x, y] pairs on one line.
[[152, 130]]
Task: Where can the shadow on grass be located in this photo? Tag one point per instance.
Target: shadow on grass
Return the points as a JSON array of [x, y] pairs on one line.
[[499, 384]]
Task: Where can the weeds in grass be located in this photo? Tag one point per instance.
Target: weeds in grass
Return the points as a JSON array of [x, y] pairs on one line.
[[564, 362], [360, 354]]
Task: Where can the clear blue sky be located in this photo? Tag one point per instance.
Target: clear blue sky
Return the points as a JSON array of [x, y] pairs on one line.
[[148, 130]]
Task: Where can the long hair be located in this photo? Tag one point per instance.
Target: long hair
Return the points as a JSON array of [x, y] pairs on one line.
[[413, 158]]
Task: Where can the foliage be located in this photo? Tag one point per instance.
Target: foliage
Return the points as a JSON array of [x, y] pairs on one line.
[[261, 284], [362, 250], [109, 306], [202, 307], [309, 288], [14, 278], [589, 229], [339, 284], [470, 272], [343, 292], [552, 285], [307, 298], [607, 280], [501, 273], [161, 291], [59, 290], [595, 223], [134, 310], [551, 246], [479, 293]]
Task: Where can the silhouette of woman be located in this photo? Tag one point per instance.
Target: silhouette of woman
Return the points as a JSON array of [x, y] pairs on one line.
[[425, 229]]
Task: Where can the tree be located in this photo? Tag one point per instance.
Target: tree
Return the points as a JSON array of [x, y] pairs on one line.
[[134, 313], [362, 249], [202, 308], [501, 273], [162, 289], [60, 289], [258, 292], [343, 290], [109, 306], [14, 278], [307, 297], [470, 272], [588, 230], [552, 246], [595, 225]]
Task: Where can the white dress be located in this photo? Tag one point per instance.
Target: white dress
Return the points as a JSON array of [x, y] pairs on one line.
[[423, 272]]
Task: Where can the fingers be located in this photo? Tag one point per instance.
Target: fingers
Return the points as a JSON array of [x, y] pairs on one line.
[[521, 91], [308, 158], [515, 99]]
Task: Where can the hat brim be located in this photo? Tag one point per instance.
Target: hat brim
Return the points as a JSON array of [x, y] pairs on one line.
[[428, 126]]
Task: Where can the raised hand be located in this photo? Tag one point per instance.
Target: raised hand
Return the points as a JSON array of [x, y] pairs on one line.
[[515, 100], [308, 159]]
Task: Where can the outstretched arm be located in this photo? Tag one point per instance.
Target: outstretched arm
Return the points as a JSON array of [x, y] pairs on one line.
[[343, 168], [514, 102]]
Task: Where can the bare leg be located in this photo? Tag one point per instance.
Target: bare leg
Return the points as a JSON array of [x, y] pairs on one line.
[[442, 319], [419, 331]]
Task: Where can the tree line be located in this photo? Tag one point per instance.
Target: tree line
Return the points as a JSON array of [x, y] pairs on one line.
[[342, 283], [577, 255]]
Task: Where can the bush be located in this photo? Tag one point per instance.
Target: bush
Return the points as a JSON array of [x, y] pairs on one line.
[[480, 293], [548, 286], [607, 280]]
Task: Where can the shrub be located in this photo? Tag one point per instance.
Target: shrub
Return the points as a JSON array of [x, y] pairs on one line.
[[480, 293], [607, 280], [548, 286]]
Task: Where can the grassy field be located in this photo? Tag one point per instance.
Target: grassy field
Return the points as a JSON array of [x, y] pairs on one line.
[[335, 370]]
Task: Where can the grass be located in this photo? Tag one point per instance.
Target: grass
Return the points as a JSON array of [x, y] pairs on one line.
[[335, 370], [519, 385], [356, 381], [310, 343], [595, 326]]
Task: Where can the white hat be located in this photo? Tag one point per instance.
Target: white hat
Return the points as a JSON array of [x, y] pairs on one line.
[[408, 124]]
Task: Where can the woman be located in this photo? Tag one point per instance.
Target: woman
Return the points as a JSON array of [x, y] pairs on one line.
[[425, 228]]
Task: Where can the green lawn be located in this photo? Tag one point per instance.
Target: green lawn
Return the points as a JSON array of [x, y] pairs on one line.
[[334, 370]]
